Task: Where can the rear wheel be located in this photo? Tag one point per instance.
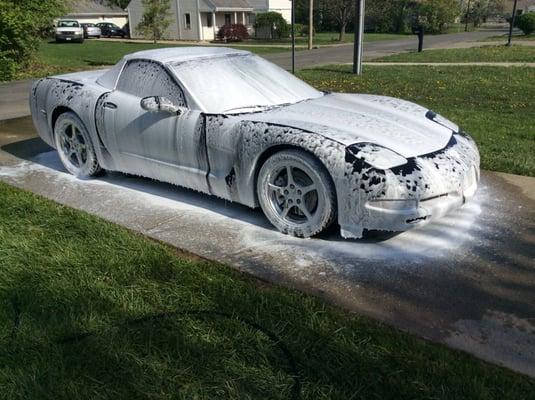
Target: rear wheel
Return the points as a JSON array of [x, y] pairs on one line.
[[296, 193], [74, 146]]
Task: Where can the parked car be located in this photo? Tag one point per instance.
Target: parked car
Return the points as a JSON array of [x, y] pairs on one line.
[[69, 30], [229, 123], [108, 30], [91, 30]]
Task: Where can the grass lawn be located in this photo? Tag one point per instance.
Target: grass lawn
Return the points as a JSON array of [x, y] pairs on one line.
[[326, 38], [493, 104], [76, 294], [505, 37], [53, 58], [516, 53]]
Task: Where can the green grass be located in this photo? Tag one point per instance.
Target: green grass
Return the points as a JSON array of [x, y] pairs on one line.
[[505, 37], [64, 272], [516, 53], [494, 104], [53, 58], [330, 38], [459, 27]]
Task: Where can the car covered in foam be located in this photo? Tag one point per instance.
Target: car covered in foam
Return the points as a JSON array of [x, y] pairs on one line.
[[228, 123]]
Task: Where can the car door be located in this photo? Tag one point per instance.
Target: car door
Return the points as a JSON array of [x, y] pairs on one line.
[[159, 145]]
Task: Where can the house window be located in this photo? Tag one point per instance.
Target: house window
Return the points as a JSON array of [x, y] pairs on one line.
[[188, 21], [228, 19], [251, 19], [209, 22]]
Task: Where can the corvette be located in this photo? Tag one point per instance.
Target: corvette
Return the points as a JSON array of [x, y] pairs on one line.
[[229, 123]]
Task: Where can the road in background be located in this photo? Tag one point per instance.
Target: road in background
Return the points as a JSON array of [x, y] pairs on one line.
[[14, 95]]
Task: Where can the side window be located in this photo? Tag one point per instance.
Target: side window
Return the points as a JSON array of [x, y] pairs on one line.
[[144, 78], [187, 21]]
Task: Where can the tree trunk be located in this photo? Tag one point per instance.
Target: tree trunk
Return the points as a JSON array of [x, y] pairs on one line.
[[342, 32]]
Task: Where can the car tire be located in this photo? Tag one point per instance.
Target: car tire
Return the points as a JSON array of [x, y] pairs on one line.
[[74, 146], [296, 193]]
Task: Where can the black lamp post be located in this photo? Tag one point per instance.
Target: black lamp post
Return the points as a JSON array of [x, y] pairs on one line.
[[512, 25]]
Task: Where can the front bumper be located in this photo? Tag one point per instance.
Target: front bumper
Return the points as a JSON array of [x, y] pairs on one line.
[[69, 36], [401, 215], [427, 187]]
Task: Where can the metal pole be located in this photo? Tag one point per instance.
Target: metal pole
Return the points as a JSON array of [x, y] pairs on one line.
[[293, 36], [512, 25], [359, 36], [311, 25]]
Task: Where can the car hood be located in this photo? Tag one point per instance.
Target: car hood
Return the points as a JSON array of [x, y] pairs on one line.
[[398, 125], [67, 29]]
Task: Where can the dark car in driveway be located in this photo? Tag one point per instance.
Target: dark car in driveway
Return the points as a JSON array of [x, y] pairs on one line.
[[108, 29]]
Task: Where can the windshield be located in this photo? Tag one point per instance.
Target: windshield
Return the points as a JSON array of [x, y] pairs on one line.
[[68, 24], [240, 82]]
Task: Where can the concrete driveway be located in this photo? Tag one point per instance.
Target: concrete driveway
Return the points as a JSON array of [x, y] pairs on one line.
[[467, 280]]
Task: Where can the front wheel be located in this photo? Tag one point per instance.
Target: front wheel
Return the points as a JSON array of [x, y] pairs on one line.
[[74, 146], [296, 193]]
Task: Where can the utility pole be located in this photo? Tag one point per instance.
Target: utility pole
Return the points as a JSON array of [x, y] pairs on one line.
[[359, 36], [293, 36], [512, 25], [311, 25]]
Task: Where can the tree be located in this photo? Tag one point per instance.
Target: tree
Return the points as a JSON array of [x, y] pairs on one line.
[[477, 11], [526, 23], [22, 25], [274, 23], [120, 3], [155, 19], [434, 15], [342, 12]]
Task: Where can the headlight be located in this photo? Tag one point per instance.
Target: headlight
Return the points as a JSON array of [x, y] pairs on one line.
[[377, 156]]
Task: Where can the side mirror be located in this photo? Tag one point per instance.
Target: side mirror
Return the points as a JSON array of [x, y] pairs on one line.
[[161, 104]]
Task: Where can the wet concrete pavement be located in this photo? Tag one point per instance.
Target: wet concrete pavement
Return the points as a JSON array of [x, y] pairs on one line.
[[467, 280]]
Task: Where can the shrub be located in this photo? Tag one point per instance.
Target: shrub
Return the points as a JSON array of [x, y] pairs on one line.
[[22, 22], [274, 23], [233, 33], [526, 23]]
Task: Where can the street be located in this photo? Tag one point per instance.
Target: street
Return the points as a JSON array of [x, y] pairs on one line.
[[14, 95]]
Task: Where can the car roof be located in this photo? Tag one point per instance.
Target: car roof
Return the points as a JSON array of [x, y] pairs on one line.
[[182, 54]]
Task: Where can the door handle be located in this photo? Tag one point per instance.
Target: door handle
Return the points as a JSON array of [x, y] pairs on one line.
[[109, 105]]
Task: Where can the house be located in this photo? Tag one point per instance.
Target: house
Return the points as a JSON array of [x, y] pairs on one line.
[[201, 19], [96, 11]]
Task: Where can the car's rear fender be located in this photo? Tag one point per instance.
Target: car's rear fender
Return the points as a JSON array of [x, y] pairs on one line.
[[50, 97]]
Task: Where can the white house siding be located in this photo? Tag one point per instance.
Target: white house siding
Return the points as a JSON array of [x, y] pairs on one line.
[[283, 7], [198, 20], [114, 19]]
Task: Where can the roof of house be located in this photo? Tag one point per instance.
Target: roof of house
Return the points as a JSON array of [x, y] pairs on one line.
[[222, 5], [94, 7], [182, 54]]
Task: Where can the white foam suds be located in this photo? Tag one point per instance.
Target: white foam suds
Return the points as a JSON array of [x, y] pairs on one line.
[[249, 230]]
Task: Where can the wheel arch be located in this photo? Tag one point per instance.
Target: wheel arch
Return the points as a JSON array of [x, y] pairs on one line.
[[59, 110], [272, 150]]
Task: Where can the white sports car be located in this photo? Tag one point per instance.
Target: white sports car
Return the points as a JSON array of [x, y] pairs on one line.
[[230, 124]]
